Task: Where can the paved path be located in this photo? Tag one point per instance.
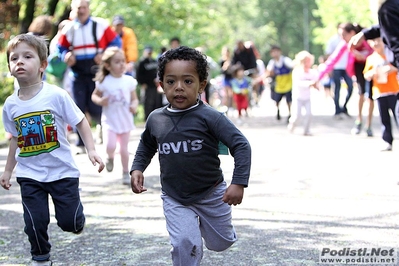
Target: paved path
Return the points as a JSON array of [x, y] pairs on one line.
[[331, 189]]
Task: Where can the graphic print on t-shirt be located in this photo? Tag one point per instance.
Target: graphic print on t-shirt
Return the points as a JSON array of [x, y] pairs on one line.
[[37, 133]]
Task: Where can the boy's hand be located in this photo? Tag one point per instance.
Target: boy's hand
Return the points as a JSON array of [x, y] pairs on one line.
[[234, 194], [95, 158], [137, 182], [5, 181]]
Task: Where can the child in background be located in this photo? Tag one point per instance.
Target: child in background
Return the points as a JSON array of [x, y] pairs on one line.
[[36, 115], [116, 93], [304, 78], [240, 85], [385, 88], [186, 133]]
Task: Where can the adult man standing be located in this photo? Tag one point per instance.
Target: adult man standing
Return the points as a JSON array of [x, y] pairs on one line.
[[81, 44], [129, 43], [147, 78]]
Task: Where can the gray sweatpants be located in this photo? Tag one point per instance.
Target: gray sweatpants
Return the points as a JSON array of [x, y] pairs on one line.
[[208, 219]]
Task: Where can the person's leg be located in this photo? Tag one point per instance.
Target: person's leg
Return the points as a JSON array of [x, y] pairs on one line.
[[288, 98], [216, 220], [308, 116], [150, 100], [349, 83], [110, 140], [277, 98], [93, 109], [337, 89], [67, 204], [79, 95], [295, 116], [36, 216], [184, 231], [123, 150], [383, 106], [361, 85]]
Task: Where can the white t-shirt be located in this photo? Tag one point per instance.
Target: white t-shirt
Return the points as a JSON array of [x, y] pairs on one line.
[[301, 82], [116, 116], [43, 152]]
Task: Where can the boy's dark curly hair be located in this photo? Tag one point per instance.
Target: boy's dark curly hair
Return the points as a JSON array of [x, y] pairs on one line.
[[187, 54]]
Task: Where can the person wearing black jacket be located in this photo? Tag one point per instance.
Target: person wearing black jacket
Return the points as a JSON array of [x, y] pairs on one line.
[[245, 56], [387, 28], [147, 77]]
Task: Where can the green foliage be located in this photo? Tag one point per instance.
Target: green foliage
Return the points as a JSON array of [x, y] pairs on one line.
[[334, 12], [6, 82], [293, 24]]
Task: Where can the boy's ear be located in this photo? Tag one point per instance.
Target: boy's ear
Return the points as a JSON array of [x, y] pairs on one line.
[[161, 84], [202, 86], [43, 66]]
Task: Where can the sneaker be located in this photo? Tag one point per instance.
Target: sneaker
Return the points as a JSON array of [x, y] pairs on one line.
[[357, 128], [109, 165], [278, 114], [126, 179], [288, 119], [42, 263], [338, 117], [369, 132], [387, 148]]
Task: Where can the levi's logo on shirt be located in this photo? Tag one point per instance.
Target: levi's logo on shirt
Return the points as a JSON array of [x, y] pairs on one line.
[[182, 146]]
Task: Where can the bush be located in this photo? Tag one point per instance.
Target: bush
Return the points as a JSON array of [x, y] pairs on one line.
[[6, 81]]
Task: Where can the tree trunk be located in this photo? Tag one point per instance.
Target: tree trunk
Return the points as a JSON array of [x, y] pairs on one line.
[[52, 5], [29, 13]]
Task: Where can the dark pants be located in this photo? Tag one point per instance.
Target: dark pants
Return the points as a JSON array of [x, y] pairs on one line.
[[68, 211], [337, 75], [385, 104], [152, 100], [83, 88]]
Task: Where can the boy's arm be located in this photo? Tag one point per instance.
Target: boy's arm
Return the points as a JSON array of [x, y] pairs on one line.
[[87, 137], [240, 149], [10, 164]]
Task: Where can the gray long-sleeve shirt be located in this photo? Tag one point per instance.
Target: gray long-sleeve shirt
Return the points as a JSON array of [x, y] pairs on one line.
[[187, 143]]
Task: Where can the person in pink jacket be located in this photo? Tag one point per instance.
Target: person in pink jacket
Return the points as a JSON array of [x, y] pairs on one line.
[[355, 66]]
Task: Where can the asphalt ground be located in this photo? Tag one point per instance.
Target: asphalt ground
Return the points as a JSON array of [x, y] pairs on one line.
[[330, 190]]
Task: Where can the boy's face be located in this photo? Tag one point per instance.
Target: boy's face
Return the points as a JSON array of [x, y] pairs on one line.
[[181, 84], [275, 53], [24, 63]]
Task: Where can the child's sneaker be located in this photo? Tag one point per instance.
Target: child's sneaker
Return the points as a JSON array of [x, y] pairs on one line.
[[357, 128], [369, 132], [109, 164], [42, 263], [126, 179]]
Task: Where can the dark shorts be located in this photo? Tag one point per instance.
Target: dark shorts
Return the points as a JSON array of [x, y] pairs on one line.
[[364, 86], [277, 97]]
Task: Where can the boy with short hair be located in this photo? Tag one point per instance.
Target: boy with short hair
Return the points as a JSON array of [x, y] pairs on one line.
[[187, 134], [37, 116]]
